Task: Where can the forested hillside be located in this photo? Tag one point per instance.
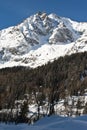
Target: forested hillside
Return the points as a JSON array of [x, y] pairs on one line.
[[64, 77]]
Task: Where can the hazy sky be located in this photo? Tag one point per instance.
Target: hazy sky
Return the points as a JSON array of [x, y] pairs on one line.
[[12, 12]]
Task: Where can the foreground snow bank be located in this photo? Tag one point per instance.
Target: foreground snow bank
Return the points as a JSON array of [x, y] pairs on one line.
[[51, 123]]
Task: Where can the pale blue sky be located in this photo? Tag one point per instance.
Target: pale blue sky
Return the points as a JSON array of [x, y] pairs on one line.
[[12, 12]]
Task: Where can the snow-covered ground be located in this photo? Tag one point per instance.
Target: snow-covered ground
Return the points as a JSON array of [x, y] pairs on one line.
[[51, 123]]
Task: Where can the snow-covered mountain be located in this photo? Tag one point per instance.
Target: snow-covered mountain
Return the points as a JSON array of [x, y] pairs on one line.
[[41, 38]]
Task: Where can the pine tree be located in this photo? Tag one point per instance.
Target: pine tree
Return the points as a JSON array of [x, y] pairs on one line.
[[85, 109], [23, 112]]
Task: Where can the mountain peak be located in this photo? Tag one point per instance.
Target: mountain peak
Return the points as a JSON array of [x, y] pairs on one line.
[[39, 39]]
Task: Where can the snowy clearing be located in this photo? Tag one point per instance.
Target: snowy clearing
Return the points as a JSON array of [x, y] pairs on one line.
[[51, 123]]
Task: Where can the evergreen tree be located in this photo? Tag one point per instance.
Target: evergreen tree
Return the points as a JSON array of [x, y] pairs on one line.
[[85, 109], [23, 113]]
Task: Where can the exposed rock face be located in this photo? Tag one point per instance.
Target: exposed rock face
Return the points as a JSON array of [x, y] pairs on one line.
[[61, 35]]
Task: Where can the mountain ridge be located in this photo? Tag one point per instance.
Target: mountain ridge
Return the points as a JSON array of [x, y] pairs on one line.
[[39, 39]]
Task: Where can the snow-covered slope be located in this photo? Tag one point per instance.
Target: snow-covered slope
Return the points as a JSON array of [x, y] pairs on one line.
[[41, 38], [51, 123]]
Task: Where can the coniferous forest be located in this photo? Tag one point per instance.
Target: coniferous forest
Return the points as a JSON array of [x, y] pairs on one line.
[[49, 81]]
